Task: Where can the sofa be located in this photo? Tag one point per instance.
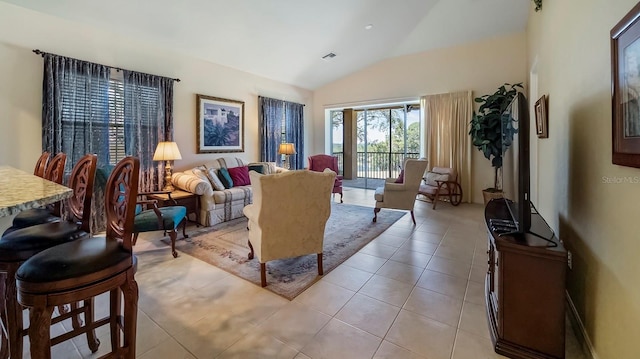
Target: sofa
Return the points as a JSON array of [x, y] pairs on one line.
[[219, 204]]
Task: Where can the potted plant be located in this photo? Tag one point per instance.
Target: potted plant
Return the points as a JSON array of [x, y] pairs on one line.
[[486, 131]]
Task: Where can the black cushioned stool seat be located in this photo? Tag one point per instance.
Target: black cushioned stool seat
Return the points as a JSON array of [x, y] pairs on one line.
[[31, 217], [21, 244], [73, 260]]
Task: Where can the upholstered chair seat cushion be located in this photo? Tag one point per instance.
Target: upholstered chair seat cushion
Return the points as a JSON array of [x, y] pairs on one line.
[[23, 243], [147, 220], [74, 260], [379, 194], [34, 216]]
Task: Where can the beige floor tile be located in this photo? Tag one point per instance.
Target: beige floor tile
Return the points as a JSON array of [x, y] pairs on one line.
[[474, 319], [480, 257], [478, 273], [458, 253], [473, 346], [419, 246], [258, 344], [412, 258], [365, 262], [301, 356], [388, 350], [379, 250], [213, 334], [242, 303], [401, 272], [400, 230], [434, 228], [348, 277], [295, 324], [168, 349], [449, 266], [475, 293], [424, 336], [325, 297], [427, 237], [443, 284], [368, 314], [435, 306], [340, 340], [390, 240], [387, 290]]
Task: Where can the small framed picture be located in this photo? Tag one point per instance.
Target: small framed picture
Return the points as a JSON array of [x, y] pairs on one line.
[[625, 77], [542, 120], [220, 125]]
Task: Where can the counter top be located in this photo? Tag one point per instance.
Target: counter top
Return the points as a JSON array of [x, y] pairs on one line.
[[20, 190]]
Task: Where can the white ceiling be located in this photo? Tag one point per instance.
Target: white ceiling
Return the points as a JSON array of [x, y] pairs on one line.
[[285, 39]]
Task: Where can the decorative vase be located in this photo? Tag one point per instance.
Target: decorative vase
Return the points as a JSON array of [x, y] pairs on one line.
[[489, 194]]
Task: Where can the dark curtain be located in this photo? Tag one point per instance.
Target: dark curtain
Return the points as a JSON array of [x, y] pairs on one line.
[[294, 124], [271, 113], [75, 115], [75, 109], [148, 119]]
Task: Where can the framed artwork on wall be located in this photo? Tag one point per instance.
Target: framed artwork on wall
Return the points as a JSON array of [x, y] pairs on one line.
[[220, 125], [542, 119], [625, 77]]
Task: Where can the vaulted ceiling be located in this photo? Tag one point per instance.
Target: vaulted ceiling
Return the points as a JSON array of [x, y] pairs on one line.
[[285, 40]]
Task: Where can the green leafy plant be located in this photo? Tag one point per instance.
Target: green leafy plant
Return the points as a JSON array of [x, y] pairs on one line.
[[486, 126], [538, 4]]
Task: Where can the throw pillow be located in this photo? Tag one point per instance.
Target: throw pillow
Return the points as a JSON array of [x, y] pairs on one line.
[[400, 178], [225, 178], [212, 175], [432, 177], [257, 168], [240, 176]]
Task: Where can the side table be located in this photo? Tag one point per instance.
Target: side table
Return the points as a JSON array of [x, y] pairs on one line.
[[180, 198]]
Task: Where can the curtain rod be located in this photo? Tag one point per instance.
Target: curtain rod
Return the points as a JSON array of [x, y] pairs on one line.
[[303, 105], [42, 53]]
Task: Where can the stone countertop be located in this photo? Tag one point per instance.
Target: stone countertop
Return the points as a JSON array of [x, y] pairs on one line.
[[20, 190]]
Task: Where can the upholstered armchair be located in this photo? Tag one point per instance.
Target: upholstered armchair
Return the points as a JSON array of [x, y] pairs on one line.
[[288, 215], [320, 162], [401, 195], [441, 182]]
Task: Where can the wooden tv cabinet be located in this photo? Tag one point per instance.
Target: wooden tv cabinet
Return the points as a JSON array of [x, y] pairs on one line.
[[525, 290]]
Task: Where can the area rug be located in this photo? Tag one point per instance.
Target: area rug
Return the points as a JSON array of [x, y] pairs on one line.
[[348, 229]]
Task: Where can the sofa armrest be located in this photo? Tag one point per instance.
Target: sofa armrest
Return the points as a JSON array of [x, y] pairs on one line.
[[281, 169], [192, 183]]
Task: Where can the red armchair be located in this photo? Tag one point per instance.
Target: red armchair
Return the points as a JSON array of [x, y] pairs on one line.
[[319, 162]]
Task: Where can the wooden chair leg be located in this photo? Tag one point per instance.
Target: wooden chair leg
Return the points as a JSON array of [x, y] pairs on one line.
[[39, 332], [341, 198], [130, 292], [250, 255], [413, 218], [14, 313], [114, 310], [435, 198], [173, 235], [320, 269], [184, 228], [263, 274], [92, 341], [4, 334], [134, 239], [375, 214]]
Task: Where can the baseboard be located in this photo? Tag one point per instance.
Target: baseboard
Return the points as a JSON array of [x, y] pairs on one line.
[[584, 337]]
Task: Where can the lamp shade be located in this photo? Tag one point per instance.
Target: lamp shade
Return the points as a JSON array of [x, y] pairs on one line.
[[287, 149], [167, 151]]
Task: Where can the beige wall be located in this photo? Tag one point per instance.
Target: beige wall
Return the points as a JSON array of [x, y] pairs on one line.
[[598, 221], [22, 30], [480, 67]]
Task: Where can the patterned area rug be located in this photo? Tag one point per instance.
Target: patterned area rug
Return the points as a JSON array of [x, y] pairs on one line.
[[348, 229]]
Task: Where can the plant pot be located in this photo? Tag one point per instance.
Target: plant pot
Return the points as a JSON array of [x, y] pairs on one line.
[[489, 194]]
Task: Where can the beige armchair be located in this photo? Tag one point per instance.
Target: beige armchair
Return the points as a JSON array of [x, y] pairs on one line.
[[401, 195], [288, 215]]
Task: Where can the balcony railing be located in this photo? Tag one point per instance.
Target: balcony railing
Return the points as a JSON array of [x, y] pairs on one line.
[[377, 164]]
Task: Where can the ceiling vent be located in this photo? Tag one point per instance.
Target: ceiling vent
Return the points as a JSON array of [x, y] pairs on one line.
[[329, 56]]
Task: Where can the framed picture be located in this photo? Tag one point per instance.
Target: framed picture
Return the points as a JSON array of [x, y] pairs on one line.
[[220, 125], [625, 77], [542, 121]]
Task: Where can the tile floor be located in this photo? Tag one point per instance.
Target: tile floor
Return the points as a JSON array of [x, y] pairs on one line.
[[413, 292]]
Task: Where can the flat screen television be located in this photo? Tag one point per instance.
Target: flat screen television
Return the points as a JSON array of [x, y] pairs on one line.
[[515, 163]]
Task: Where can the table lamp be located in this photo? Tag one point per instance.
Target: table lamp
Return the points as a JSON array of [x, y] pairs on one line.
[[287, 149], [167, 151]]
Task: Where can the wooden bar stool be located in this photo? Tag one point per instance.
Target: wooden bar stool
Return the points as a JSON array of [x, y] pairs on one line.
[[20, 245], [80, 270], [41, 165]]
